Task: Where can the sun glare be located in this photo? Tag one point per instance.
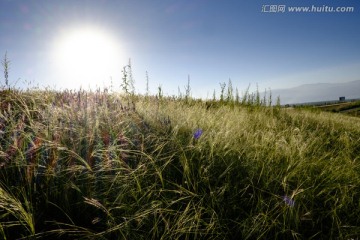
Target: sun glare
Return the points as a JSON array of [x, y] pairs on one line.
[[87, 57]]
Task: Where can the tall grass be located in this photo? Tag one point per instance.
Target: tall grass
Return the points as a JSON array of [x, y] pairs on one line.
[[94, 165]]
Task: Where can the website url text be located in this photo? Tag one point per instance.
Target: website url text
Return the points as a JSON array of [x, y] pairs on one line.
[[308, 9]]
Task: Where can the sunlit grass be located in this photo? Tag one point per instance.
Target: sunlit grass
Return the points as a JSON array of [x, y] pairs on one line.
[[94, 165]]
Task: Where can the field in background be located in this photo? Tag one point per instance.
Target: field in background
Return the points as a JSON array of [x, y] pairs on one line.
[[95, 165], [349, 107]]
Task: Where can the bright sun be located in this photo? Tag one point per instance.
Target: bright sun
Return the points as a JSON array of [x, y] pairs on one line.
[[86, 56]]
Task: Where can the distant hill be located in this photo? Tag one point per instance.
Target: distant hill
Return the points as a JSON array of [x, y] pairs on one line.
[[318, 92]]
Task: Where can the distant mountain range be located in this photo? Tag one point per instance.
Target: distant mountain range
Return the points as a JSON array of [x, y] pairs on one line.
[[318, 92]]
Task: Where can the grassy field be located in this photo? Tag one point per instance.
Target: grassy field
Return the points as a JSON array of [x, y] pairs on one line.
[[95, 165], [349, 108]]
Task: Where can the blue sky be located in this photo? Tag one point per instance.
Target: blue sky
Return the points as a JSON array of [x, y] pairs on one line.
[[210, 40]]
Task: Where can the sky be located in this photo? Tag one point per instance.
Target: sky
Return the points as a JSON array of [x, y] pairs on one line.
[[73, 43]]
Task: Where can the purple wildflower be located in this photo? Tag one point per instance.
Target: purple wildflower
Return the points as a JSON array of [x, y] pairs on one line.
[[290, 202], [198, 133]]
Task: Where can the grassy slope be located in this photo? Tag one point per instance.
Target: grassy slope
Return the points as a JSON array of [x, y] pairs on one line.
[[349, 108], [77, 166]]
